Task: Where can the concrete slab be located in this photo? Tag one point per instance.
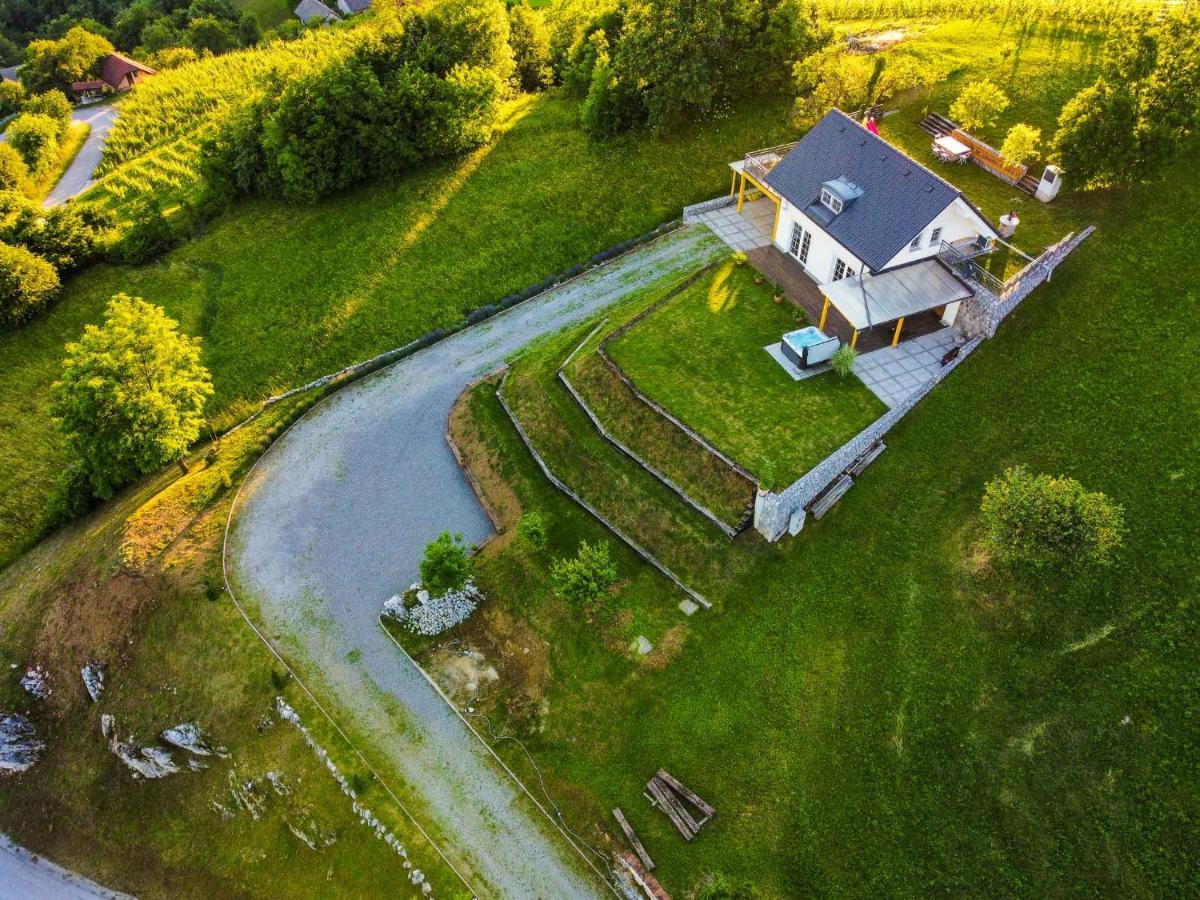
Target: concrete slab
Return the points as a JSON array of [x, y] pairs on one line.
[[893, 374]]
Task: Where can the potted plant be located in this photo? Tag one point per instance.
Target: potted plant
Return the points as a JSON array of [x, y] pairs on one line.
[[758, 279], [739, 258], [778, 293]]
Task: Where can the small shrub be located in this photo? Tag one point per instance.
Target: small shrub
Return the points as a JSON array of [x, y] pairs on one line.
[[842, 361], [27, 284], [150, 236], [1021, 143], [279, 680], [12, 95], [1040, 522], [72, 497], [584, 579], [445, 566], [54, 105], [739, 258], [979, 104], [532, 531]]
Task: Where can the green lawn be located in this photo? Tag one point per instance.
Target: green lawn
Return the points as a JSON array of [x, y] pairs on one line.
[[701, 356], [872, 710], [67, 152], [282, 294]]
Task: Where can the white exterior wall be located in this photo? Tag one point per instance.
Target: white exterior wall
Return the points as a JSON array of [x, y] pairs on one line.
[[957, 221], [822, 252]]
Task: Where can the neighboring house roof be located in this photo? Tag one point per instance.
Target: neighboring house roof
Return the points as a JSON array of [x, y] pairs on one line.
[[308, 10], [354, 6], [896, 196], [116, 67], [9, 73], [88, 85]]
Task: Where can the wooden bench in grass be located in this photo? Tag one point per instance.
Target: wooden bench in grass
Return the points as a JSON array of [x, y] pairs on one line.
[[825, 502], [867, 457], [683, 791], [679, 816]]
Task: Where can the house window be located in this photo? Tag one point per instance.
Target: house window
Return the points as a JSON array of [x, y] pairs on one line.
[[935, 238], [800, 242], [915, 244], [828, 199], [840, 270]]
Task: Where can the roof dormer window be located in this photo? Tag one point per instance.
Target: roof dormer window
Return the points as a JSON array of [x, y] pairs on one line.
[[829, 200]]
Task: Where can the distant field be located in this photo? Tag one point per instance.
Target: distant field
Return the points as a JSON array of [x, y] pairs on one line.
[[270, 13]]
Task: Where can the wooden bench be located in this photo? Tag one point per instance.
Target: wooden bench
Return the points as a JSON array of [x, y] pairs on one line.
[[832, 495], [633, 839], [868, 456]]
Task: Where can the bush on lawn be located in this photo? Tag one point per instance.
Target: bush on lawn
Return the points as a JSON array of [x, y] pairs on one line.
[[35, 138], [978, 105], [585, 579], [1040, 523], [445, 566], [27, 283], [532, 531], [1021, 143], [132, 394]]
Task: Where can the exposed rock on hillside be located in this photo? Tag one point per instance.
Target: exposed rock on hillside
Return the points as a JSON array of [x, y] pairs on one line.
[[19, 744], [93, 680], [37, 682]]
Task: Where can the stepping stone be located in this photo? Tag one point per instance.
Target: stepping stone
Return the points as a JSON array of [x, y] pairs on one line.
[[642, 645], [687, 607]]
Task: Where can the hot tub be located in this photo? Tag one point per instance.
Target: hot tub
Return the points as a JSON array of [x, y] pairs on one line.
[[808, 347]]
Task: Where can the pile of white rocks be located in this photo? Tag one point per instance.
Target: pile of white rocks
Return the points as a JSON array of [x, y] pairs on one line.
[[155, 761], [93, 680], [36, 682], [426, 615]]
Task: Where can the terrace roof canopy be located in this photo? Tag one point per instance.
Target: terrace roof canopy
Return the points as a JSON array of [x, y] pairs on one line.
[[895, 294]]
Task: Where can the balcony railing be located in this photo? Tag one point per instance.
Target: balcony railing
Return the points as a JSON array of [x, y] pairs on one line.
[[759, 163], [963, 261]]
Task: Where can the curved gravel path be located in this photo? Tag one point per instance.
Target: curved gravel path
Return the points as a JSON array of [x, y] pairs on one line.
[[78, 176], [333, 521], [26, 876]]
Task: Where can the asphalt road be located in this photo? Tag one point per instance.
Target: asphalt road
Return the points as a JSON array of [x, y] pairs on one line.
[[78, 177], [333, 521], [24, 876]]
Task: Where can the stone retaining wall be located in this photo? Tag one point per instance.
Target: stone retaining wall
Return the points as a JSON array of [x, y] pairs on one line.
[[691, 214]]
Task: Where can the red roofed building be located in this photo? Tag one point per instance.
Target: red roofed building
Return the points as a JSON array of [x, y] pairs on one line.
[[121, 73]]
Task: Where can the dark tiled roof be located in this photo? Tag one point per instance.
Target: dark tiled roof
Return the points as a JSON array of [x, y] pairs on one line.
[[899, 196], [357, 6], [307, 10], [116, 66]]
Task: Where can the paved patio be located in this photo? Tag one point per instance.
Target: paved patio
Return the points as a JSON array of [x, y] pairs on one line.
[[746, 230], [894, 373]]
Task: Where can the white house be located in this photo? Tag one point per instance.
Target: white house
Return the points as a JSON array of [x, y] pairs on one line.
[[852, 208]]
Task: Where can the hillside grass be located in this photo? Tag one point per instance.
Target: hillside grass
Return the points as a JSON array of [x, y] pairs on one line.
[[138, 589], [872, 708], [283, 294], [67, 152], [701, 356]]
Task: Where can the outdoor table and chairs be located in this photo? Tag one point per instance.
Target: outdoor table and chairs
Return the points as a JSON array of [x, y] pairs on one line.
[[948, 148]]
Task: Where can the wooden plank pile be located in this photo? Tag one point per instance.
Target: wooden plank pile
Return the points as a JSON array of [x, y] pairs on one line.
[[673, 798]]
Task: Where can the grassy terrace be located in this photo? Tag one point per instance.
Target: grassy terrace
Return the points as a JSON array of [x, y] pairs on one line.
[[283, 294], [701, 356]]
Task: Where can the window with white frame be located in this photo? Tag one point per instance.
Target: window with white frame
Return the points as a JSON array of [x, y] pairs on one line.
[[935, 237], [915, 244], [829, 199], [797, 238]]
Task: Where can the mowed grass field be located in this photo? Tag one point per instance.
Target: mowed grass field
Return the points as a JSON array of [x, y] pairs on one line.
[[872, 709], [282, 294]]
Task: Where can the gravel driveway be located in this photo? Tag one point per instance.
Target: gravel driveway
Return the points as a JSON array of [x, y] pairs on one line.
[[333, 521], [24, 876], [78, 176]]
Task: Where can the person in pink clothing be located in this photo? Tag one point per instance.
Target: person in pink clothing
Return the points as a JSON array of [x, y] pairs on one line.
[[871, 126]]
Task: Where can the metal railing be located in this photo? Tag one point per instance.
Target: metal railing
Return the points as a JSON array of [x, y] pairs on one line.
[[966, 266], [759, 162]]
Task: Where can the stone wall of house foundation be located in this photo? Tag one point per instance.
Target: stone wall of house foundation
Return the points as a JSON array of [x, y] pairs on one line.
[[978, 319]]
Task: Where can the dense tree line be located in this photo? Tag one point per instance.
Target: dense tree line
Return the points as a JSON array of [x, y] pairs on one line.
[[423, 84], [661, 63], [142, 27], [1143, 106]]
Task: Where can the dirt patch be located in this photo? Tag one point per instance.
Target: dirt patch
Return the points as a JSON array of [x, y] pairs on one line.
[[480, 463], [462, 674], [667, 648]]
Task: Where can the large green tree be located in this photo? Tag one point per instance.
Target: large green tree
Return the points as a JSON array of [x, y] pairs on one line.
[[56, 64], [27, 284], [131, 396], [530, 41]]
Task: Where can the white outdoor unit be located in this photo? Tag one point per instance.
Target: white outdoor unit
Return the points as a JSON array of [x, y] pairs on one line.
[[1048, 187]]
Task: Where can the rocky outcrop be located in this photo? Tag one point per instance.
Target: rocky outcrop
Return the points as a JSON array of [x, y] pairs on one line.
[[144, 762], [36, 682], [188, 736], [93, 680], [422, 614], [19, 744]]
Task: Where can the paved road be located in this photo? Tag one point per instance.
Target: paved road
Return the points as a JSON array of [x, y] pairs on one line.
[[334, 520], [24, 876], [78, 177]]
